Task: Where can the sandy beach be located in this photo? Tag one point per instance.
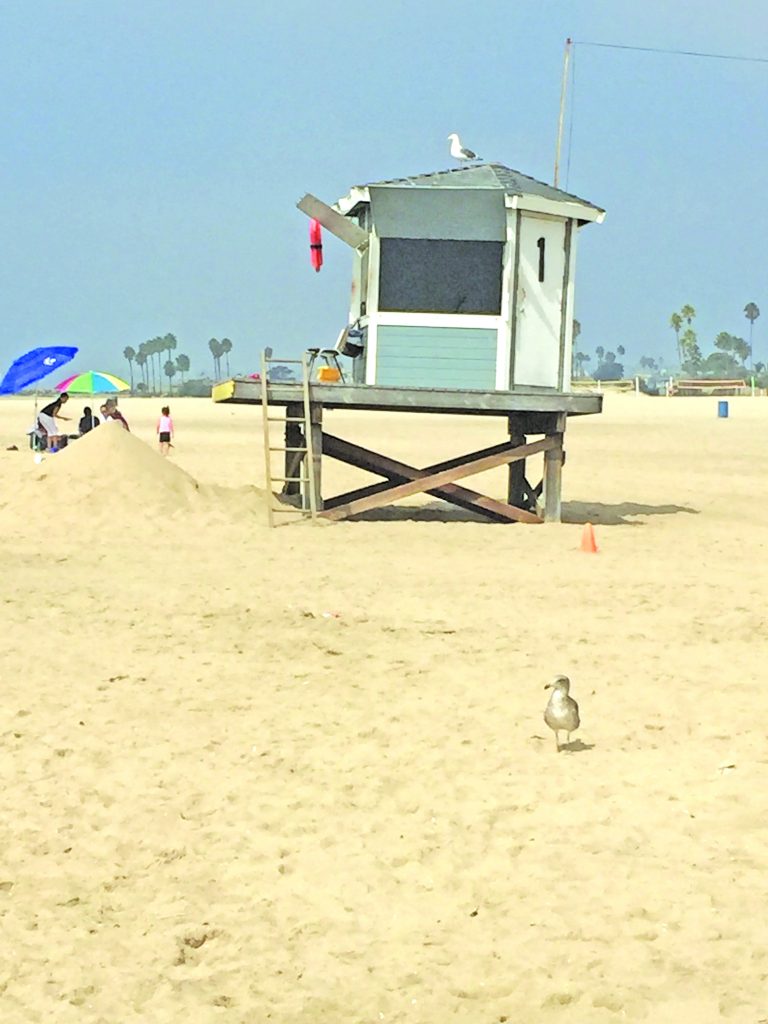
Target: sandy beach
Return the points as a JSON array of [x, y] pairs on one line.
[[303, 775]]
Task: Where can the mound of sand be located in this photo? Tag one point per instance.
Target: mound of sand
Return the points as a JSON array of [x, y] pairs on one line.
[[111, 475], [112, 466]]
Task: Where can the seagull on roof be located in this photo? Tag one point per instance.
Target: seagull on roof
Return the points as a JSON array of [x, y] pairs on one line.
[[459, 152]]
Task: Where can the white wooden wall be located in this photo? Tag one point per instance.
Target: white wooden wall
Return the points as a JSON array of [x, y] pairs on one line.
[[539, 303]]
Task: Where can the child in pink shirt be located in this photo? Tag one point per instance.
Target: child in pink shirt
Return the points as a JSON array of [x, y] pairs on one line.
[[165, 430]]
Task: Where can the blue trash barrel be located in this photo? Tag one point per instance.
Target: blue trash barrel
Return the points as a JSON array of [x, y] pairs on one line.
[[722, 410]]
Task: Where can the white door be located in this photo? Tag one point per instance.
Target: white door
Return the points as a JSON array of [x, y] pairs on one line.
[[539, 301]]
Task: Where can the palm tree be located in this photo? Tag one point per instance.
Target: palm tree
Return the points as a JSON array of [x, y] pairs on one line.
[[689, 348], [182, 365], [169, 370], [600, 352], [141, 362], [158, 347], [145, 348], [580, 359], [676, 322], [169, 343], [691, 351], [130, 354], [751, 312], [621, 350], [215, 349], [226, 348], [742, 350], [150, 369]]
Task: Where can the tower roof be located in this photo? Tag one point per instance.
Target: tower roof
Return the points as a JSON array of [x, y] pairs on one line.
[[491, 176]]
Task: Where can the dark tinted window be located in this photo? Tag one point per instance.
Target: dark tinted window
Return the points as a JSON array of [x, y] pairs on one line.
[[424, 275]]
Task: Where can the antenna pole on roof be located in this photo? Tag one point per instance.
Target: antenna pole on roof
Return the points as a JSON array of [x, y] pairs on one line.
[[561, 118]]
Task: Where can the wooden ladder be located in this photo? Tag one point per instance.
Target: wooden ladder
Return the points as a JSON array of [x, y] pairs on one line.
[[300, 468]]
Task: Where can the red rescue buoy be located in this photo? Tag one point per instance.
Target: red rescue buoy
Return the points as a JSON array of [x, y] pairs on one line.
[[315, 244]]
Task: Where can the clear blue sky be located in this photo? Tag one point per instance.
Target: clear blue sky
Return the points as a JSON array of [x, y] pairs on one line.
[[154, 150]]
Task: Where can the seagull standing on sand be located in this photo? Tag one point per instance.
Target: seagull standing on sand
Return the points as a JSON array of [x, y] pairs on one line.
[[562, 711], [458, 152]]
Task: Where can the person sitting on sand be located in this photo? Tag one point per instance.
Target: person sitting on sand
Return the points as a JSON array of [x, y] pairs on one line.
[[46, 420], [113, 413], [87, 421]]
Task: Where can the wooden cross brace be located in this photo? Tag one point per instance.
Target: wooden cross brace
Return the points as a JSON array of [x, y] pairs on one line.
[[439, 480]]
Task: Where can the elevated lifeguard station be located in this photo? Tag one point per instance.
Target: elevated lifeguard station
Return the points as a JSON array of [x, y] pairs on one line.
[[462, 302], [467, 280]]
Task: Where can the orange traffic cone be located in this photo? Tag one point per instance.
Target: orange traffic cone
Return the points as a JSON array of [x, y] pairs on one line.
[[588, 542]]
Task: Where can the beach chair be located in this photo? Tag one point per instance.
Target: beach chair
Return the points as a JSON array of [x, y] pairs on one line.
[[38, 441]]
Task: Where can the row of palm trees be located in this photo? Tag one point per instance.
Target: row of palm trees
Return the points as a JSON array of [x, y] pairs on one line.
[[148, 360], [687, 345]]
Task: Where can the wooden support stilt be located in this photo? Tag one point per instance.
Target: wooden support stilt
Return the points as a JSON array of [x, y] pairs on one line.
[[516, 471], [553, 473], [316, 447]]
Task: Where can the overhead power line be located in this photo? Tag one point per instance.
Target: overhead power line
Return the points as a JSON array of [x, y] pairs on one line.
[[569, 77], [677, 53]]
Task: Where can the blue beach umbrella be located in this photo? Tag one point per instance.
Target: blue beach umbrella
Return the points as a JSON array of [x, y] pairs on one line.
[[33, 366]]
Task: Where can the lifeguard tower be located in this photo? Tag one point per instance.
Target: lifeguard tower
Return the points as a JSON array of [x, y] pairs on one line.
[[467, 280], [462, 302]]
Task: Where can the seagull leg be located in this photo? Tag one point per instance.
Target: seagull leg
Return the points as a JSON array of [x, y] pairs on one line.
[[557, 739]]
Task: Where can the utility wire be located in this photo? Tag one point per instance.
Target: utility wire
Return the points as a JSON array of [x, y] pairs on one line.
[[678, 53], [639, 49]]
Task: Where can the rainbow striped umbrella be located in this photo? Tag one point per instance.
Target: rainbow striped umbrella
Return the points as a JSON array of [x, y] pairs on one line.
[[93, 383]]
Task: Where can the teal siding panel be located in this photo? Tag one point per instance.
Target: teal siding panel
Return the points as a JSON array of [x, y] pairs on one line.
[[436, 357]]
